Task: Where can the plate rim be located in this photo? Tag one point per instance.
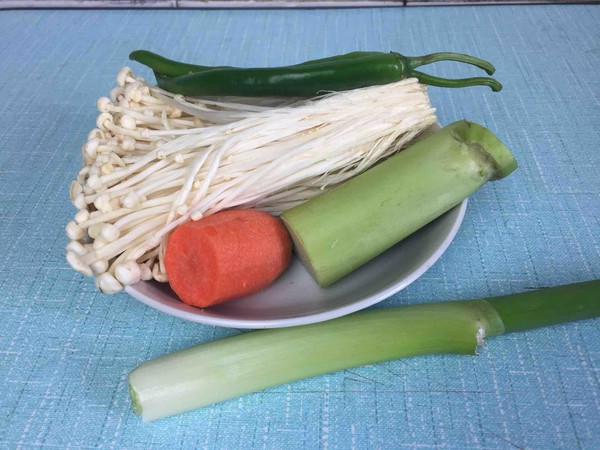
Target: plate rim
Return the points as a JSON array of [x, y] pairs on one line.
[[317, 317]]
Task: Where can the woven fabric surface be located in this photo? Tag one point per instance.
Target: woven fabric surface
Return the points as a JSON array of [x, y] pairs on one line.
[[66, 350]]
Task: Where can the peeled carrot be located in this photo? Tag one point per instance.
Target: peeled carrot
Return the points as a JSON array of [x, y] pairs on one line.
[[226, 255]]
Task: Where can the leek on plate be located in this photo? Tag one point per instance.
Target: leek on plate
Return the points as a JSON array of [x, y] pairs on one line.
[[341, 230]]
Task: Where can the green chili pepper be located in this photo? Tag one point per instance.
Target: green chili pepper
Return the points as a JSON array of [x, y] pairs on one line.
[[338, 73], [171, 68]]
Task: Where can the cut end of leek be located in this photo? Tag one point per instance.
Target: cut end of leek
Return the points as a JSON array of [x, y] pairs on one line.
[[135, 400], [485, 146]]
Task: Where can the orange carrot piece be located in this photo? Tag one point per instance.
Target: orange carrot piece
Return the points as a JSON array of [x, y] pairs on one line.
[[226, 255]]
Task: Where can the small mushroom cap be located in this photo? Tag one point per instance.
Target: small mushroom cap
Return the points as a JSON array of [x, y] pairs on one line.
[[125, 76], [79, 201], [74, 231], [128, 273], [99, 266], [104, 121], [91, 147], [146, 272], [82, 216], [128, 143], [110, 232], [127, 122], [116, 94], [108, 284], [103, 104], [130, 200]]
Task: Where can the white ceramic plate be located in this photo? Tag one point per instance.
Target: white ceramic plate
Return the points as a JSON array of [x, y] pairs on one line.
[[295, 299]]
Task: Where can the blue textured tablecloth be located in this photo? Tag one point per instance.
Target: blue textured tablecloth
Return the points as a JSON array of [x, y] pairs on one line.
[[65, 350]]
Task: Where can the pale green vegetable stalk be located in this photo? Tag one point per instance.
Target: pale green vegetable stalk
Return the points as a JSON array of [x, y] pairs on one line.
[[343, 229], [224, 369]]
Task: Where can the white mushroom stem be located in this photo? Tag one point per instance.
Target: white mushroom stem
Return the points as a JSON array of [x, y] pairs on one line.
[[149, 256], [140, 216], [112, 249], [197, 164], [161, 251], [175, 180], [105, 218]]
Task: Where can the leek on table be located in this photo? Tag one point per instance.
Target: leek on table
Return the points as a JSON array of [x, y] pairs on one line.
[[234, 366]]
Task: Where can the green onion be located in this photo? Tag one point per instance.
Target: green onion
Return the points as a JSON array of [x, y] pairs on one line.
[[234, 366]]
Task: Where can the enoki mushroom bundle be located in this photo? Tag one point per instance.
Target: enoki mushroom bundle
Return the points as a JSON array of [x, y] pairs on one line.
[[157, 160]]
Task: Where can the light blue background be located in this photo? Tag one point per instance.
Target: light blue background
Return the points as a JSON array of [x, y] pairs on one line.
[[65, 350]]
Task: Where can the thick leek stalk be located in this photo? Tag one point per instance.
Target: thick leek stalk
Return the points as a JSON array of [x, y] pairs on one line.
[[224, 369], [345, 228]]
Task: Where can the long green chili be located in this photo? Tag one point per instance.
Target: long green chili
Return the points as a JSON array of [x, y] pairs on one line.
[[171, 68], [337, 73]]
